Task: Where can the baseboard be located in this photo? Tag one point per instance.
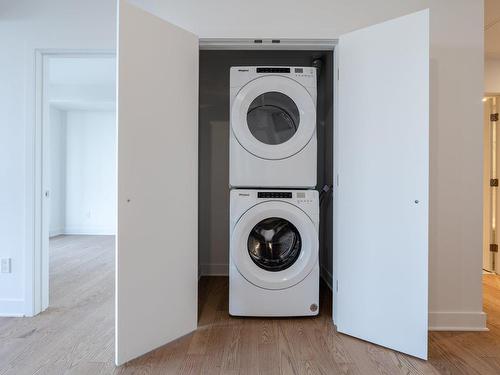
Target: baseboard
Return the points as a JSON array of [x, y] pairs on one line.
[[457, 321], [214, 269], [12, 307], [56, 232], [96, 231], [327, 277]]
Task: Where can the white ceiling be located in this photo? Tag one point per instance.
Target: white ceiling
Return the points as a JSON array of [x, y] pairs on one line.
[[82, 83], [492, 28]]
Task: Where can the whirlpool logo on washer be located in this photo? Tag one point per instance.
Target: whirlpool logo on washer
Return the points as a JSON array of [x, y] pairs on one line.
[[244, 194]]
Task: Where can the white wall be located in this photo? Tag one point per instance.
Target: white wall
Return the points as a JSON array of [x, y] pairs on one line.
[[82, 172], [455, 136], [90, 173], [57, 172], [492, 76], [27, 25]]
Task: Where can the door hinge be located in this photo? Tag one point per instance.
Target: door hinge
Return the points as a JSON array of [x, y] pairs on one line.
[[494, 247], [337, 286], [494, 182], [494, 117]]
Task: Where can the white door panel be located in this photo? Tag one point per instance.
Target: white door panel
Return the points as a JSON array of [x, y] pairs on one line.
[[156, 266], [381, 202]]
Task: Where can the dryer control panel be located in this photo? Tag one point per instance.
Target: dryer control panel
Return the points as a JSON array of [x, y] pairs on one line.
[[274, 194], [241, 75], [273, 70]]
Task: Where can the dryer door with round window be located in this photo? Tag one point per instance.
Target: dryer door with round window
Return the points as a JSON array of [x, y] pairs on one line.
[[273, 117], [274, 245]]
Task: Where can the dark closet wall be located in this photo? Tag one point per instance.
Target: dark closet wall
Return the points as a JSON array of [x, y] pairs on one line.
[[214, 147]]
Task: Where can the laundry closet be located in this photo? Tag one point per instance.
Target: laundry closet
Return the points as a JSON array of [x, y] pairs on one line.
[[278, 109], [173, 174], [214, 129]]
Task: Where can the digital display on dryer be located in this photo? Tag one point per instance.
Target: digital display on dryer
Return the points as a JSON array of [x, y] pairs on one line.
[[274, 194], [273, 70]]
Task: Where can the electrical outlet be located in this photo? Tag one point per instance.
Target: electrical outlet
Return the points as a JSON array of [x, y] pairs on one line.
[[5, 265]]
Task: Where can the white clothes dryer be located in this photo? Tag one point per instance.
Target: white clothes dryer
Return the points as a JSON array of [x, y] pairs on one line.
[[274, 264], [273, 127]]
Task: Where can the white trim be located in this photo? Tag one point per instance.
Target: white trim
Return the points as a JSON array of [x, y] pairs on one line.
[[214, 269], [457, 321], [36, 256], [83, 231], [56, 232], [12, 307], [335, 182], [90, 231], [267, 44]]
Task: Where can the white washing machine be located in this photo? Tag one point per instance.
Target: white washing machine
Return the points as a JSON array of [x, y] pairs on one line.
[[274, 265], [273, 127]]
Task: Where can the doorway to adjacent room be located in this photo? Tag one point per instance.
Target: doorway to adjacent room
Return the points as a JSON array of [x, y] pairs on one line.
[[77, 170]]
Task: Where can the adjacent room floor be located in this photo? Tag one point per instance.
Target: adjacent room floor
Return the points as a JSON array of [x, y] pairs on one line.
[[75, 335]]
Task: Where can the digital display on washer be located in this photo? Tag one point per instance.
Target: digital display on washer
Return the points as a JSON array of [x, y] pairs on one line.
[[273, 70], [274, 194], [299, 70]]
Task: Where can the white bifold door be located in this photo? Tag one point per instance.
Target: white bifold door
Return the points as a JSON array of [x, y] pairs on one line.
[[157, 237], [381, 199]]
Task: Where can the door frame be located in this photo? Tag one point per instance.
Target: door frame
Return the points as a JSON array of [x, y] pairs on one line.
[[37, 281], [268, 44], [488, 256]]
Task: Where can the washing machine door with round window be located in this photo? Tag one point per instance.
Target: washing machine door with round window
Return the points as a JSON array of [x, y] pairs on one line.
[[274, 245], [273, 117]]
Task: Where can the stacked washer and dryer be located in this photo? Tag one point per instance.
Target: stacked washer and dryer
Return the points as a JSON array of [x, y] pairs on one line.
[[274, 209]]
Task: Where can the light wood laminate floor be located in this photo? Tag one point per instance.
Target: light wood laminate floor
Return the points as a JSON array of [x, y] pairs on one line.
[[75, 335]]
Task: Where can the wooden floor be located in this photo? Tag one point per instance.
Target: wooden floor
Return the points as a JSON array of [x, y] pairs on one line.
[[75, 335]]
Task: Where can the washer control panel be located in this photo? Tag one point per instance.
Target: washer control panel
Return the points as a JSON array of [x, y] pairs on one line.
[[243, 199], [300, 196]]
